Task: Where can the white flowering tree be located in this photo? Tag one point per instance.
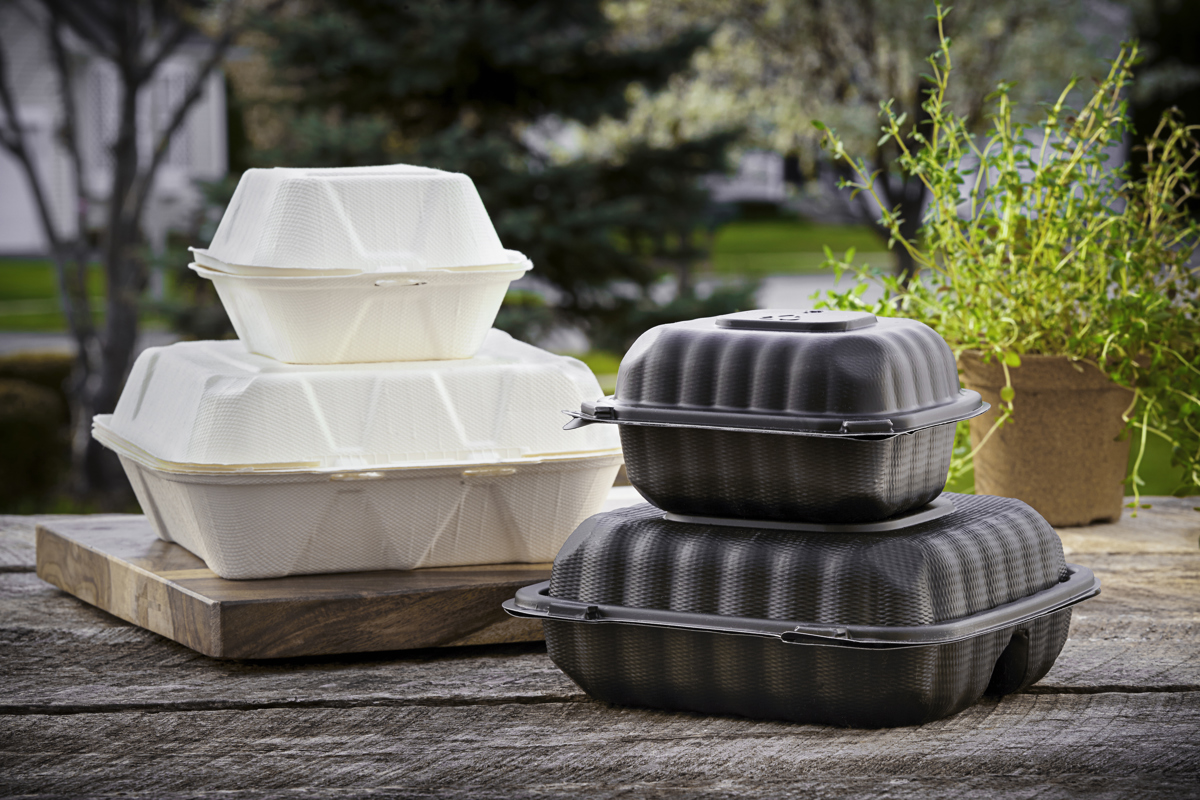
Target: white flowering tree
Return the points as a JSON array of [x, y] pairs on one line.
[[778, 65]]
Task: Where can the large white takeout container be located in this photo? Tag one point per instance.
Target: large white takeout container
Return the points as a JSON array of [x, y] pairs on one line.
[[265, 469], [359, 264]]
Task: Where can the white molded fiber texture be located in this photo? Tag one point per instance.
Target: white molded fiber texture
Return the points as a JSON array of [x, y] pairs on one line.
[[256, 525], [214, 404], [347, 319], [396, 218]]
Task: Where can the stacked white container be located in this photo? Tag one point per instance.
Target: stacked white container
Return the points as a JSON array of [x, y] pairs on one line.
[[336, 266], [401, 433]]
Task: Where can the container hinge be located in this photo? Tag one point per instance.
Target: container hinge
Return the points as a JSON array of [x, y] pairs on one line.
[[573, 612], [603, 412], [802, 633]]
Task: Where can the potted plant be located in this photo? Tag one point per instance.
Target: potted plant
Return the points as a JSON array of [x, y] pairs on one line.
[[1062, 283]]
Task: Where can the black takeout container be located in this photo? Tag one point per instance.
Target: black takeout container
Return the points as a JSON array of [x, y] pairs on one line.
[[869, 625], [821, 416]]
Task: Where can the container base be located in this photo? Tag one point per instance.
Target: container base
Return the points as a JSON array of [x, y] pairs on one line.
[[762, 678]]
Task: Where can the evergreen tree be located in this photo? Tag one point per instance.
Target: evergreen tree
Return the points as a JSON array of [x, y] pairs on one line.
[[466, 85]]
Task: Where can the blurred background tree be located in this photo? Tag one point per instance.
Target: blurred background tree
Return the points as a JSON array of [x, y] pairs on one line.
[[1169, 75], [496, 90], [135, 39], [774, 66]]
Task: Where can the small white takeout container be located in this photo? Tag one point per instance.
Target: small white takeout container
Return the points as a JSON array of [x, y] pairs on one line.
[[361, 264], [368, 317]]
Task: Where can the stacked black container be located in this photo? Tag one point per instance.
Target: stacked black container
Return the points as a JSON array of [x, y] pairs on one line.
[[800, 560]]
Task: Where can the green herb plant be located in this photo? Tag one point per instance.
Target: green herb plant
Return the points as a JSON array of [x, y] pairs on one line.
[[1032, 244]]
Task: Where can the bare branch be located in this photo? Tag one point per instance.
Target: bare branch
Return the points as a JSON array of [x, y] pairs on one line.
[[14, 141], [219, 47], [73, 286], [88, 21], [168, 45]]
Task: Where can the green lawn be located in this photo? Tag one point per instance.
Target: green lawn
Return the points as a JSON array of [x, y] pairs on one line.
[[29, 295], [758, 248]]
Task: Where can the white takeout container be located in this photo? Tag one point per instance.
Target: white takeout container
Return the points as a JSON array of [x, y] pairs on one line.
[[264, 469], [367, 317], [349, 220]]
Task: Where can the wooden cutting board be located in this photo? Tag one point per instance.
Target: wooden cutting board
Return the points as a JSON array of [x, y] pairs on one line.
[[117, 564]]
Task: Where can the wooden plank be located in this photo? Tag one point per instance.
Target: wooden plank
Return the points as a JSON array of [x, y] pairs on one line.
[[1170, 525], [497, 747], [75, 674], [62, 655], [119, 565], [907, 787]]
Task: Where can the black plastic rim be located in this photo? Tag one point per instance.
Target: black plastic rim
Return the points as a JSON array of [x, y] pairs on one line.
[[534, 602], [941, 507], [611, 410]]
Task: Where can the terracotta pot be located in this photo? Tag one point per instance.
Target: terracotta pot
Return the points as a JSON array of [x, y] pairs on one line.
[[1059, 453]]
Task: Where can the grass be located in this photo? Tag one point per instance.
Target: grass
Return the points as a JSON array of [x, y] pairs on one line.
[[762, 247], [29, 295]]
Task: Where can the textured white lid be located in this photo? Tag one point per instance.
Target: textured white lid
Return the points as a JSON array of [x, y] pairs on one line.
[[213, 403], [396, 218]]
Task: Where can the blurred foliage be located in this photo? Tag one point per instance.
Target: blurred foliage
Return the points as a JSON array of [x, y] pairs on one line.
[[48, 370], [33, 441], [1055, 251], [492, 89], [525, 315], [191, 307], [1169, 74], [776, 65], [624, 321]]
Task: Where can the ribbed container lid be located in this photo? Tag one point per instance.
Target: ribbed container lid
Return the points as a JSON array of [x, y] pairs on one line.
[[837, 373], [215, 404], [989, 552], [395, 218]]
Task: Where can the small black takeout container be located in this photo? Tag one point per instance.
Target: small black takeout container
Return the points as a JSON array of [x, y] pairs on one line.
[[872, 625], [817, 416]]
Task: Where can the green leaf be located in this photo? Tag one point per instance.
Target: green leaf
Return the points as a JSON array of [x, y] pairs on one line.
[[1012, 359], [849, 255], [1007, 394], [816, 123]]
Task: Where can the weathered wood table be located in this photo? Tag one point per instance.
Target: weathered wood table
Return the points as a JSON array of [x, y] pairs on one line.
[[91, 705]]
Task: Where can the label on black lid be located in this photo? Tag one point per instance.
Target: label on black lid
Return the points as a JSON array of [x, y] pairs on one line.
[[817, 320]]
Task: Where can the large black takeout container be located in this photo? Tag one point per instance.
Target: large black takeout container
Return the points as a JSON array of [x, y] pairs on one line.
[[849, 628], [821, 416]]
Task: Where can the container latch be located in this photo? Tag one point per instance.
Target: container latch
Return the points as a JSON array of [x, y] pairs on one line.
[[803, 633], [867, 426], [574, 612]]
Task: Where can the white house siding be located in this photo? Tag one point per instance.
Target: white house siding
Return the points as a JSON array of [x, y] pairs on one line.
[[198, 152]]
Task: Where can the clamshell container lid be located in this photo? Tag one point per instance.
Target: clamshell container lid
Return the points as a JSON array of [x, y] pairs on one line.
[[395, 218], [992, 564], [214, 406], [819, 373]]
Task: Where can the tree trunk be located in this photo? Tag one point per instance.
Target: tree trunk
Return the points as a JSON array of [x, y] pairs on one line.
[[105, 358]]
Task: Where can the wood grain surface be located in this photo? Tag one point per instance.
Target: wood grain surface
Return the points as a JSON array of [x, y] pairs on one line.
[[118, 564], [93, 706]]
